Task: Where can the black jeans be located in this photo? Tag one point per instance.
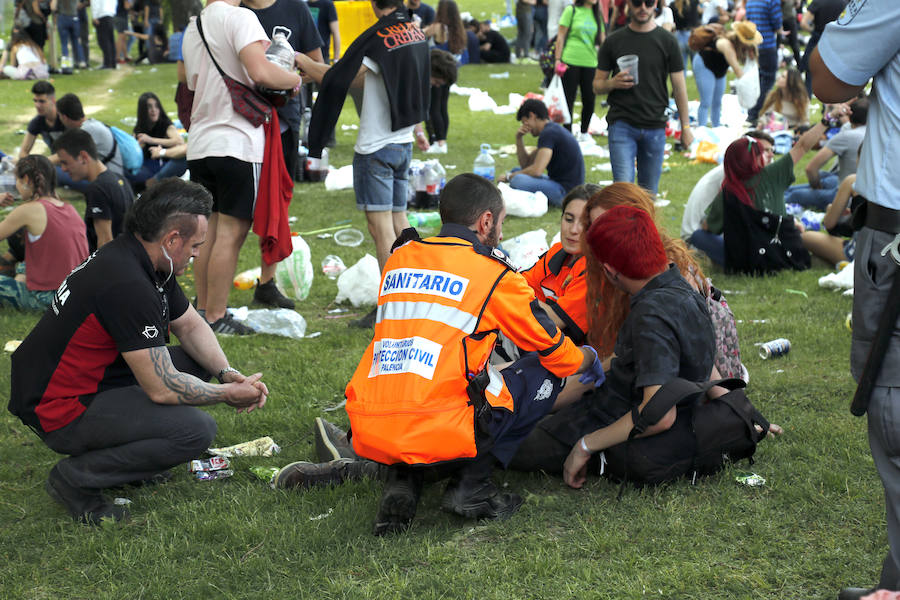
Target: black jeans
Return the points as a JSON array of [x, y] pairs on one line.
[[768, 65], [572, 79], [438, 122], [124, 436], [106, 39]]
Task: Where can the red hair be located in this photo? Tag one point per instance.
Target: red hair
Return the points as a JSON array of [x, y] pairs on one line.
[[627, 239], [743, 160]]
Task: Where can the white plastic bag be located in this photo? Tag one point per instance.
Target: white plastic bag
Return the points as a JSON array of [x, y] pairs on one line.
[[277, 321], [555, 99], [294, 274], [359, 283], [339, 179], [524, 250], [520, 203], [747, 87], [478, 102]]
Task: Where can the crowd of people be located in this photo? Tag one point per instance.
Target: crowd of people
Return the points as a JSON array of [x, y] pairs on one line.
[[472, 365]]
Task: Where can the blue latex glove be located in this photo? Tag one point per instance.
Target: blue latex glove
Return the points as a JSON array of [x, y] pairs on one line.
[[595, 374]]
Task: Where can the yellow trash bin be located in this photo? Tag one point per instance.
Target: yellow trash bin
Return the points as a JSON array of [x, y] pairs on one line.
[[354, 17]]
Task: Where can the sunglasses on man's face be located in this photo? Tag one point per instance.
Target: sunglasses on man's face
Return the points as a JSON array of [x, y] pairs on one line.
[[646, 3]]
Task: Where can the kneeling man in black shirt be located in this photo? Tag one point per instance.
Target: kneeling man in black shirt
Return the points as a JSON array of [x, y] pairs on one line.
[[95, 379]]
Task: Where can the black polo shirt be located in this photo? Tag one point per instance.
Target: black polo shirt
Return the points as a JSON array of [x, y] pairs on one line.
[[114, 302]]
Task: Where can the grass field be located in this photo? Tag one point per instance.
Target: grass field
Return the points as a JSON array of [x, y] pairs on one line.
[[815, 526]]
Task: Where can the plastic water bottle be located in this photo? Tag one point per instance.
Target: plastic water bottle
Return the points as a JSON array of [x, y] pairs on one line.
[[484, 163], [425, 174], [432, 178], [424, 220], [812, 220], [442, 173]]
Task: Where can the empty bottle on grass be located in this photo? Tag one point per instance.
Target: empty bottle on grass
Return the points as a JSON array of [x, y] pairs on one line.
[[484, 163]]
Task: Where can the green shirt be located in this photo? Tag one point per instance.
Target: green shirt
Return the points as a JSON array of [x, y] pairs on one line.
[[766, 188], [580, 49]]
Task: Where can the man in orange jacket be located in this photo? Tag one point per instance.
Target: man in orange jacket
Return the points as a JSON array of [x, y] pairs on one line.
[[424, 397]]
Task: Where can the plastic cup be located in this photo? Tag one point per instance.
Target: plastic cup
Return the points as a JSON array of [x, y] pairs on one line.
[[629, 64]]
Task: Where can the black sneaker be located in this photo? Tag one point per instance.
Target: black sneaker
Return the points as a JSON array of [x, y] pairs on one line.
[[399, 500], [305, 475], [479, 499], [227, 325], [268, 294], [85, 505], [367, 322], [331, 441]]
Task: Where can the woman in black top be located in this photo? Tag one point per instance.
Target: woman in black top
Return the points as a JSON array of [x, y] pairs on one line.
[[687, 16], [718, 51], [155, 128]]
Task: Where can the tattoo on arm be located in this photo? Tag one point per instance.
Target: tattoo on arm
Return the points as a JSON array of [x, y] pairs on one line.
[[189, 389]]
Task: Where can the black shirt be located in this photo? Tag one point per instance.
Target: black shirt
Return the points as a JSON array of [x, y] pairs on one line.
[[667, 334], [114, 302], [824, 12], [690, 18], [499, 50], [107, 197], [38, 127], [643, 105], [324, 14], [425, 13], [294, 16]]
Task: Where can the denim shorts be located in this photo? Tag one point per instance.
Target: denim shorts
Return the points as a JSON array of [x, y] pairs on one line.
[[380, 178]]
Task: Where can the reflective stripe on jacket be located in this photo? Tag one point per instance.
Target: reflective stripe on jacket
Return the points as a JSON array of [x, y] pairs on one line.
[[441, 303]]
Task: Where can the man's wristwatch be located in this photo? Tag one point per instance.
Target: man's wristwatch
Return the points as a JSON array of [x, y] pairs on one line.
[[225, 371]]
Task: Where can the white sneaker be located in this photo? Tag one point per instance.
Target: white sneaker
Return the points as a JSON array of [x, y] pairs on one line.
[[437, 149], [585, 137]]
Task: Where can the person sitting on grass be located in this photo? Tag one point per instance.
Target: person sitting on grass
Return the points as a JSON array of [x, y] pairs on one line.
[[53, 234], [557, 152], [837, 243], [23, 59], [155, 128]]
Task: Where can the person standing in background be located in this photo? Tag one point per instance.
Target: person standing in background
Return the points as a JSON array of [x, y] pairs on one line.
[[766, 15], [524, 26], [103, 12]]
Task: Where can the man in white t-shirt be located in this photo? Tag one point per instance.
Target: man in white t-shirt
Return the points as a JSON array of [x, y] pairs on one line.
[[390, 119]]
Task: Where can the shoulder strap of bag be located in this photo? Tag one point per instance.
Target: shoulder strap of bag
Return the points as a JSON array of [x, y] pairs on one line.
[[115, 145], [213, 58], [675, 392]]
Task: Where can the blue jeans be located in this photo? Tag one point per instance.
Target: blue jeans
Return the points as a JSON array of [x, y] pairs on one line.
[[683, 36], [809, 197], [380, 179], [540, 28], [627, 144], [713, 245], [158, 169], [69, 30], [554, 191], [711, 89], [768, 65]]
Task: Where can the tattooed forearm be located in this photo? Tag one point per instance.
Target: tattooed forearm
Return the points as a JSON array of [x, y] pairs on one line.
[[188, 388]]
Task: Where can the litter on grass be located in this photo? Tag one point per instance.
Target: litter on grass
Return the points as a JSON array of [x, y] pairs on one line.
[[264, 446]]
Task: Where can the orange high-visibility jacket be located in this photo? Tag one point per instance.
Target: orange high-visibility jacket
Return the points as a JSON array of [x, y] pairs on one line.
[[441, 303], [563, 287]]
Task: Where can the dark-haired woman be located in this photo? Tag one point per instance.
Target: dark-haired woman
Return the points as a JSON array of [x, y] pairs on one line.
[[580, 34], [155, 128], [448, 34], [55, 240]]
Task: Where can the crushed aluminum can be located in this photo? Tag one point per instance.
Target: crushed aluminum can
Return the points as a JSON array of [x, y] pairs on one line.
[[751, 479], [216, 463], [210, 475]]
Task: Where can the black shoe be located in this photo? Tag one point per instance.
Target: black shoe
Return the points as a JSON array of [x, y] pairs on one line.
[[227, 325], [268, 293], [88, 506], [854, 593], [367, 322], [331, 441], [399, 500], [158, 479], [305, 475], [479, 499]]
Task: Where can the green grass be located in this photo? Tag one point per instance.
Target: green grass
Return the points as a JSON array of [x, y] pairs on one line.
[[815, 526]]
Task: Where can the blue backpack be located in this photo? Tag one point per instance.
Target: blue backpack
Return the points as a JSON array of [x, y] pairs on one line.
[[132, 155]]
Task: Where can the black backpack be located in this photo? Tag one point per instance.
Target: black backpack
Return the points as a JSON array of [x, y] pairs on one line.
[[705, 435]]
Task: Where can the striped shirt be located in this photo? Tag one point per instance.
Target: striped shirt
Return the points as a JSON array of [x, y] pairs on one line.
[[766, 15]]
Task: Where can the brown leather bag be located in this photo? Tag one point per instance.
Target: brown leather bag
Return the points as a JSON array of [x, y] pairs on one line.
[[702, 36]]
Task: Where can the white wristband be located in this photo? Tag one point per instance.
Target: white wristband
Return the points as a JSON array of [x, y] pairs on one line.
[[584, 445], [162, 151]]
